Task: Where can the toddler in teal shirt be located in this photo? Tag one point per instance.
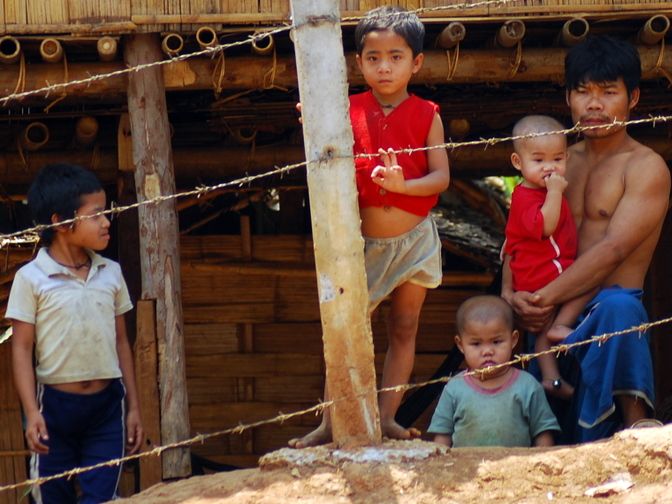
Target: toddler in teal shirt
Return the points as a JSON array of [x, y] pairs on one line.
[[501, 407]]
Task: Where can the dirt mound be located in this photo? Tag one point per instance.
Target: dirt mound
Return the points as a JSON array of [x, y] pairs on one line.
[[633, 467]]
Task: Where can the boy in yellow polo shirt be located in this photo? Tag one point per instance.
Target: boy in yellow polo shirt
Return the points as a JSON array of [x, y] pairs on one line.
[[68, 305]]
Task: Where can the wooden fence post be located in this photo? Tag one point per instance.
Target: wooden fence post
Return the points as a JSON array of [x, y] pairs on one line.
[[339, 247], [159, 245]]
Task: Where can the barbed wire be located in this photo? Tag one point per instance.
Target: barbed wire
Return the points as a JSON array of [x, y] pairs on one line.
[[15, 237], [521, 359], [216, 49]]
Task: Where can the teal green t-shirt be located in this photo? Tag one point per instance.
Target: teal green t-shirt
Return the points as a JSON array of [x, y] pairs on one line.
[[510, 415]]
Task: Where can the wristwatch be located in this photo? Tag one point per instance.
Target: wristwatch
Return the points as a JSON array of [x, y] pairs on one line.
[[557, 383]]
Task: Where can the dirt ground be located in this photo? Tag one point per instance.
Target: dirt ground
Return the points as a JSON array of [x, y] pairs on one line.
[[638, 461]]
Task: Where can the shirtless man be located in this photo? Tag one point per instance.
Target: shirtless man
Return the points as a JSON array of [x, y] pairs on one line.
[[618, 190]]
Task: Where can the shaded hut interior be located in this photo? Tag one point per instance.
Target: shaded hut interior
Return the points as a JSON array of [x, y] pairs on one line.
[[252, 334]]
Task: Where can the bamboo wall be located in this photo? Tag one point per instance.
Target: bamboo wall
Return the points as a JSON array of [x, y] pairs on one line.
[[54, 16], [253, 338]]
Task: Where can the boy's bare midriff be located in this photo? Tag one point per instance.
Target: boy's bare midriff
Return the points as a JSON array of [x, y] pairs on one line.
[[387, 222], [82, 387]]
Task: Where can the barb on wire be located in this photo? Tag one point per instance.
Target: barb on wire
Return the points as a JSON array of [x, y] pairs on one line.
[[282, 417], [201, 189]]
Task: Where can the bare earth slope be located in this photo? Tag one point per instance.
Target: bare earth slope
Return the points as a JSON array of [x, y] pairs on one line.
[[638, 459]]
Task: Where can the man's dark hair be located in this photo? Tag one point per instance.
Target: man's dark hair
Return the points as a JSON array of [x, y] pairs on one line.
[[405, 24], [58, 189], [603, 59]]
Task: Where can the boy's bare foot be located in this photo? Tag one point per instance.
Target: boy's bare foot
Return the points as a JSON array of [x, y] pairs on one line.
[[319, 436], [565, 391], [558, 333], [392, 430]]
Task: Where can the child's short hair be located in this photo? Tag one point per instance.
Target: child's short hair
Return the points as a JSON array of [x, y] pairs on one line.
[[483, 309], [405, 24], [534, 124], [58, 189], [603, 59]]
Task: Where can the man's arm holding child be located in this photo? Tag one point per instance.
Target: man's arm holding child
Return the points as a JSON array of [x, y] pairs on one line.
[[390, 176], [134, 430], [535, 317], [639, 213], [23, 340]]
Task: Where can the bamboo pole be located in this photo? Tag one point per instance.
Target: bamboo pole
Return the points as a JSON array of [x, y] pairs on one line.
[[339, 247], [160, 258], [249, 72]]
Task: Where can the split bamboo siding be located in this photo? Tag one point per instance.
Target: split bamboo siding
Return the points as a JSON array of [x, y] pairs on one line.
[[62, 16], [253, 337]]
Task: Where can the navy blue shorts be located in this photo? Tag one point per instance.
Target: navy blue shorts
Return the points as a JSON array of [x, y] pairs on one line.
[[84, 429]]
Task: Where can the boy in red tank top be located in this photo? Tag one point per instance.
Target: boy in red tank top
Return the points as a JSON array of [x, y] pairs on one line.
[[396, 193]]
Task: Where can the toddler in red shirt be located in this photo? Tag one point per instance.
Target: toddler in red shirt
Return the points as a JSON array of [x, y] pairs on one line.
[[541, 238]]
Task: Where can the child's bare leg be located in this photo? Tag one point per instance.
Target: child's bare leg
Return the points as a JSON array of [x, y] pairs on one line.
[[549, 370], [402, 328], [319, 436], [558, 333]]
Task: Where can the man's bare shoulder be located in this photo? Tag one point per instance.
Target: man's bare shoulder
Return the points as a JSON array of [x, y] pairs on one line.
[[644, 160]]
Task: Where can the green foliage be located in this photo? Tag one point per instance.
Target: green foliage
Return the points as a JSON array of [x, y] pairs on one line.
[[509, 184]]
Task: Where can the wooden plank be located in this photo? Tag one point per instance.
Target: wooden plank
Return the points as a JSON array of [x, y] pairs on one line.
[[207, 287], [298, 300], [232, 313], [160, 259], [254, 365], [146, 371], [221, 416], [289, 388], [211, 389], [271, 248], [13, 467], [205, 339], [281, 337]]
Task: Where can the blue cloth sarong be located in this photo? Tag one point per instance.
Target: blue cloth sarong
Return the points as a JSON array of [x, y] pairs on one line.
[[620, 365]]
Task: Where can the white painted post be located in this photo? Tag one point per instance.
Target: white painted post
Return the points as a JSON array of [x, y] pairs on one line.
[[339, 247]]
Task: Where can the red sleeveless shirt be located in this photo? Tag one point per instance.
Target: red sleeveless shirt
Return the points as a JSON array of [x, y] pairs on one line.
[[407, 126]]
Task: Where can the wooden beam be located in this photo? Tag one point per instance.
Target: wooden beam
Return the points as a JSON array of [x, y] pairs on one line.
[[339, 247], [250, 72], [146, 365], [74, 28], [159, 247], [218, 163]]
